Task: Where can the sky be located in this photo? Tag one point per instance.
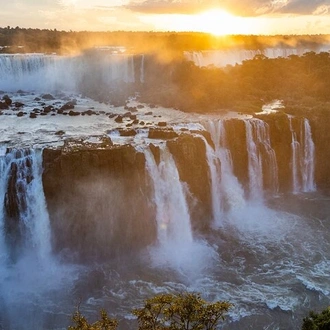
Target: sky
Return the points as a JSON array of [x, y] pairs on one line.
[[214, 16]]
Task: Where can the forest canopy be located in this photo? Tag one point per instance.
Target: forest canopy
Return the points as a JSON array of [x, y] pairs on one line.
[[16, 39]]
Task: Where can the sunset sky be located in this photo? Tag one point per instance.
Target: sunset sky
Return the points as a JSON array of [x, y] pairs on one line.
[[215, 16]]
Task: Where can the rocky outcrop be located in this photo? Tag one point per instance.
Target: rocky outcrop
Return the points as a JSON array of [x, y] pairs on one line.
[[98, 201]]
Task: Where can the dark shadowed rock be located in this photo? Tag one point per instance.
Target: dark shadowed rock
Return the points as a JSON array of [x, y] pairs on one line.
[[162, 123], [119, 119], [163, 134], [7, 100], [47, 97]]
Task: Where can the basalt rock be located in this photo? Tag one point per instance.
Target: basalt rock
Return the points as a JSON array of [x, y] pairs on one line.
[[94, 196]]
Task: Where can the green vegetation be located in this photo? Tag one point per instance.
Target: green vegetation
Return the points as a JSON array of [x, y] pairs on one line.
[[44, 40], [245, 87], [183, 311], [105, 323], [317, 321]]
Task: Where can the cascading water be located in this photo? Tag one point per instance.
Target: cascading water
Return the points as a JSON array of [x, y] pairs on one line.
[[227, 193], [307, 159], [259, 151], [24, 216], [142, 69], [28, 271], [51, 72], [176, 247], [173, 219], [302, 160]]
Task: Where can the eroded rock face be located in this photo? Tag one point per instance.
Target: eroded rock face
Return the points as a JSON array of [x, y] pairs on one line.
[[189, 154], [98, 201]]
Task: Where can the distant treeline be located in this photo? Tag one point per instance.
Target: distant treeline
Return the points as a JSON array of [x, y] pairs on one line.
[[18, 39], [300, 81]]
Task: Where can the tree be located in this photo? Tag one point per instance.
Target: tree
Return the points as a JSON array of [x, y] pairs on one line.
[[317, 321], [81, 323], [184, 311]]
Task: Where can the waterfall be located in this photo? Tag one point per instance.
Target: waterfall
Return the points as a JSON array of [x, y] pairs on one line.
[[176, 248], [302, 159], [215, 184], [307, 159], [48, 73], [260, 153], [24, 217], [227, 192], [254, 162], [172, 213], [142, 69]]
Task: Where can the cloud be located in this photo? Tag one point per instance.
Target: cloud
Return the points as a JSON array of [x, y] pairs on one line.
[[238, 7]]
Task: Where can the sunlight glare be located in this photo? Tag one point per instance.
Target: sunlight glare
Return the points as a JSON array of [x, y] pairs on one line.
[[218, 22]]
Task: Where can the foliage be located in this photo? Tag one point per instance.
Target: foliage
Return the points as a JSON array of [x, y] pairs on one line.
[[317, 321], [186, 311], [81, 323]]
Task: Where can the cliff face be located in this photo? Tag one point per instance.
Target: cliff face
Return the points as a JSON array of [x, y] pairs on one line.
[[100, 200]]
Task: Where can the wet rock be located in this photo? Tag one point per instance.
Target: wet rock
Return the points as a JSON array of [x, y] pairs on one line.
[[74, 113], [127, 132], [60, 132], [18, 104], [20, 114], [47, 97], [163, 134], [48, 108], [7, 100], [90, 112], [162, 123], [119, 119], [33, 115], [4, 106], [68, 106], [149, 113]]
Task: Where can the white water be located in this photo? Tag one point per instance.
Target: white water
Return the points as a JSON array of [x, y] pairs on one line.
[[260, 153], [302, 161], [307, 159], [176, 247], [46, 73], [221, 58], [227, 193], [33, 215], [142, 69], [31, 281]]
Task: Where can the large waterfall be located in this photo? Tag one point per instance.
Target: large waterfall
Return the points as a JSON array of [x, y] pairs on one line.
[[221, 58], [176, 247], [254, 232], [45, 73], [227, 193]]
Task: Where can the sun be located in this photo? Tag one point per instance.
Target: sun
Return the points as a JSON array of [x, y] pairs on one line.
[[218, 22]]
